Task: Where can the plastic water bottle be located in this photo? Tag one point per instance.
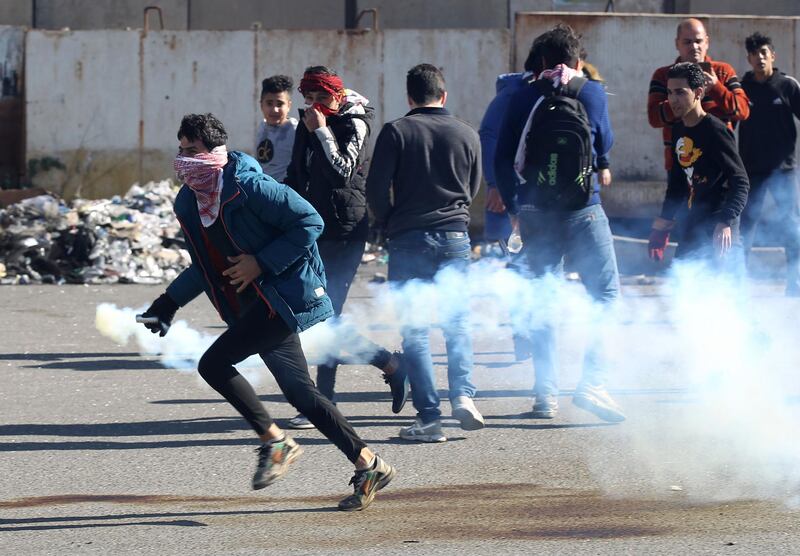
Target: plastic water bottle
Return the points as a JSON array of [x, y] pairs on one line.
[[514, 242]]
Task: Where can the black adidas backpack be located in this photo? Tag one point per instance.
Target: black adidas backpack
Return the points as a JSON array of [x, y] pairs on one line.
[[558, 149]]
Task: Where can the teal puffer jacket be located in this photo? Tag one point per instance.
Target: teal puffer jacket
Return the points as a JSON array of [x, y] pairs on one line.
[[270, 221]]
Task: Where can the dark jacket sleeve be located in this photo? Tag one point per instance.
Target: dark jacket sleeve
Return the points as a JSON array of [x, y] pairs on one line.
[[593, 97], [186, 286], [475, 172], [381, 173], [489, 133], [508, 139], [794, 96], [677, 190], [296, 176], [733, 170]]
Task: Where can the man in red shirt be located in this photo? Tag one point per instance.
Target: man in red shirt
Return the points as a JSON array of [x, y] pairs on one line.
[[724, 96]]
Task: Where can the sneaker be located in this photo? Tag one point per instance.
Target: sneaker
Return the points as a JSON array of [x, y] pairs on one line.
[[431, 432], [467, 414], [398, 384], [545, 406], [595, 399], [366, 483], [300, 422], [273, 461]]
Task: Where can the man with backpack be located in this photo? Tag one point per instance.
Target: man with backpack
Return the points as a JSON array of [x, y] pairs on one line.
[[554, 133]]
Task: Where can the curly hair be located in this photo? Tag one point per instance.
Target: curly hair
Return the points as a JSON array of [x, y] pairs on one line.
[[277, 84], [691, 72], [205, 127]]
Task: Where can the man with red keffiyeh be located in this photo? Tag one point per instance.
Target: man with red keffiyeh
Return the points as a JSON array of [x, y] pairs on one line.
[[253, 247], [327, 169]]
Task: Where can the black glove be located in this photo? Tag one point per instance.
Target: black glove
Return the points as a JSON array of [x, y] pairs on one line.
[[164, 308]]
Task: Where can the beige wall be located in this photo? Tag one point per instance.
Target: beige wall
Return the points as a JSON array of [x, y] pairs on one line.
[[107, 104]]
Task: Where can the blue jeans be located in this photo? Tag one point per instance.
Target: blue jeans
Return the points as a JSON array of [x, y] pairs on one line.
[[782, 184], [419, 255], [584, 238]]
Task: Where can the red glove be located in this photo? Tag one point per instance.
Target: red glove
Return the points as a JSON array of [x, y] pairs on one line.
[[657, 244], [659, 237]]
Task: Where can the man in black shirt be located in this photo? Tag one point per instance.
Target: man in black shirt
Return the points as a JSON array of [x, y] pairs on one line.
[[425, 172], [767, 144], [707, 174]]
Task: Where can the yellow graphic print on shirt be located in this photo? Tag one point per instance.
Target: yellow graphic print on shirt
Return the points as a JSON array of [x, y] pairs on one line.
[[688, 154]]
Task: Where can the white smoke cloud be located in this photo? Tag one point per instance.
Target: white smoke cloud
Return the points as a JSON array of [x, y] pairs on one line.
[[721, 363], [726, 432]]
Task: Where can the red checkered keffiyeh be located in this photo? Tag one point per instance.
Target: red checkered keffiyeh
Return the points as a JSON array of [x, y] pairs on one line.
[[203, 174]]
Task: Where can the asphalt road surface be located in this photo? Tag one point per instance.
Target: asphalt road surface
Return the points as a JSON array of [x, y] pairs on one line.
[[105, 451]]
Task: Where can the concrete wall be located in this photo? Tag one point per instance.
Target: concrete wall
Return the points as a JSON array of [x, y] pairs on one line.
[[114, 14], [12, 116], [106, 104], [745, 7], [270, 14], [16, 12], [332, 14], [627, 49], [444, 14]]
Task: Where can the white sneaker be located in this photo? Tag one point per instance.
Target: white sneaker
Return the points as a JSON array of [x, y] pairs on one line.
[[545, 406], [300, 422], [431, 432], [467, 414], [597, 400]]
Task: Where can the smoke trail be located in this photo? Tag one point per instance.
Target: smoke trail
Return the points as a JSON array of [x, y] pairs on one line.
[[180, 349], [720, 364]]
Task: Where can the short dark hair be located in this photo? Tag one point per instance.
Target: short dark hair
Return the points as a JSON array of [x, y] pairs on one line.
[[691, 72], [320, 69], [205, 127], [276, 84], [533, 63], [425, 83], [756, 41], [560, 45]]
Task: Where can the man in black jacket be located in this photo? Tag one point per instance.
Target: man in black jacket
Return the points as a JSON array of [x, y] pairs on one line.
[[767, 144], [424, 175], [329, 150]]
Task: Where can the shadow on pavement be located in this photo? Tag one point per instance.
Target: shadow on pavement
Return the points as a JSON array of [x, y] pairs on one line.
[[59, 356], [63, 522], [106, 365]]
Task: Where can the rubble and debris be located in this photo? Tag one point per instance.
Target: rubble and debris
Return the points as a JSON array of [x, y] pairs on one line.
[[130, 239]]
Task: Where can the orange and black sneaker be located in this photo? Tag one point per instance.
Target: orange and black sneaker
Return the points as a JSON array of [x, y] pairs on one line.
[[273, 460], [366, 483]]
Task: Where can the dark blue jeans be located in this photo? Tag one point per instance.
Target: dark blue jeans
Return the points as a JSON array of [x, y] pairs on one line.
[[419, 255], [782, 184], [584, 238], [341, 259]]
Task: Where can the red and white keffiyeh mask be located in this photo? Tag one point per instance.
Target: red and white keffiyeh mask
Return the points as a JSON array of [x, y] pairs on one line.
[[203, 174]]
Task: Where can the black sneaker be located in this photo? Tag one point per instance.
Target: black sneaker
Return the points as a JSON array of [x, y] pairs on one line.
[[273, 461], [366, 483], [398, 384]]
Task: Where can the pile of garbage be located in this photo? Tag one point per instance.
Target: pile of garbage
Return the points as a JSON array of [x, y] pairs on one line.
[[130, 239]]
